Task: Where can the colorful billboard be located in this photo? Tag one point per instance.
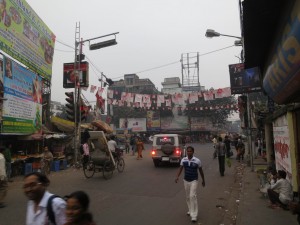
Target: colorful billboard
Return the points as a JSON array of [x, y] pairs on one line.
[[70, 75], [153, 121], [25, 37], [22, 109], [244, 80], [135, 124]]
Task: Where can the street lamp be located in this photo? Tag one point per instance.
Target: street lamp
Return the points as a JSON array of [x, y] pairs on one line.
[[212, 33]]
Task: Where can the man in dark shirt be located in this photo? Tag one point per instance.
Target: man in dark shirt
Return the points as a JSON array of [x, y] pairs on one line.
[[191, 165], [7, 156], [227, 143]]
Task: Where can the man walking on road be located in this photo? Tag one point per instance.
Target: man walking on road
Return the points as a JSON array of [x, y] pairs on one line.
[[7, 156], [191, 165], [221, 151]]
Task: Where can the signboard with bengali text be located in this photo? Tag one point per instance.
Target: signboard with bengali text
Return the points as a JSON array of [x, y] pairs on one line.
[[22, 111], [135, 124], [25, 37], [282, 146]]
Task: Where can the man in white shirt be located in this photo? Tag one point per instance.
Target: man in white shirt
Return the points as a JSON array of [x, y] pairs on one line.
[[35, 188], [191, 166], [3, 180], [283, 194], [112, 145]]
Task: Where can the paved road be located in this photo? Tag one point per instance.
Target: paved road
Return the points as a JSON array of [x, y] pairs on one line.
[[142, 194]]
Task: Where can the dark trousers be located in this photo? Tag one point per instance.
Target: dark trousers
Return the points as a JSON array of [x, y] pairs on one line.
[[274, 197], [221, 159]]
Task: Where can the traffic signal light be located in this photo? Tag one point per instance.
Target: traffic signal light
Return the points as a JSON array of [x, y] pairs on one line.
[[70, 106], [80, 57], [109, 81]]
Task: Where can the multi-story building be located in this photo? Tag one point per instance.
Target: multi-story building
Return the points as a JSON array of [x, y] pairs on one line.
[[133, 84]]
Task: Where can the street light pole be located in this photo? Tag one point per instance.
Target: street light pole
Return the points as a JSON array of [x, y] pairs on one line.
[[77, 100], [210, 34]]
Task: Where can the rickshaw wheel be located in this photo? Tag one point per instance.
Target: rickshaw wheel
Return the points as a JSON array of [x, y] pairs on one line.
[[120, 165], [108, 169], [89, 169]]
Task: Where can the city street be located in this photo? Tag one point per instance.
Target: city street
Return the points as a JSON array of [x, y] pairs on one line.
[[142, 194]]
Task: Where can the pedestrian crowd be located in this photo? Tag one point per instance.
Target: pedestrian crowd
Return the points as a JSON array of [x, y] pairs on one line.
[[44, 207]]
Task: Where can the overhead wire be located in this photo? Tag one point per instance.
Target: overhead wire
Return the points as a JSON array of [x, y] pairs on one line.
[[150, 69]]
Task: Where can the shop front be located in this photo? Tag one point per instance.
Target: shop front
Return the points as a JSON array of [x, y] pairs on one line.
[[272, 43]]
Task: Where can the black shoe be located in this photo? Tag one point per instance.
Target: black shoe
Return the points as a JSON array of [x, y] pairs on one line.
[[194, 220], [2, 205]]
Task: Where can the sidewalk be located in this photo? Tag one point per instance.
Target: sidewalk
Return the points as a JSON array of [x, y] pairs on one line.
[[253, 208]]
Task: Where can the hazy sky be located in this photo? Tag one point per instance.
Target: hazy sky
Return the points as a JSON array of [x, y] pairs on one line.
[[153, 33]]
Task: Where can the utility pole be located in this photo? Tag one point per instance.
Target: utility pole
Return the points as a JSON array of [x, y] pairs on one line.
[[77, 93]]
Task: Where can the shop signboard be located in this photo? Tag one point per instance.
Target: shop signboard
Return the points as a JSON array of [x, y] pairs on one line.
[[244, 80], [135, 124], [25, 37], [282, 145], [22, 109]]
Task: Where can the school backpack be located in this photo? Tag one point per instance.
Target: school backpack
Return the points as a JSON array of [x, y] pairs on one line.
[[50, 213]]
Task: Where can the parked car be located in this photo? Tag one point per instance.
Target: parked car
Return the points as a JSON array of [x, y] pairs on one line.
[[167, 148]]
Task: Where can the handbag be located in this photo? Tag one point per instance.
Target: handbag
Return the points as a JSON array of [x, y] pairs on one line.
[[228, 162]]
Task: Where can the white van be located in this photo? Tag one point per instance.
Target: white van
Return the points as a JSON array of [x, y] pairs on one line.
[[167, 148]]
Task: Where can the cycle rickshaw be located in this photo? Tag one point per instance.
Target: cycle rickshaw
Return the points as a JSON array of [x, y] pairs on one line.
[[101, 159]]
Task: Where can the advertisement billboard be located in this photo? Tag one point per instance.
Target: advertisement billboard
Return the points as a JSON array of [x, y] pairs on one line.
[[25, 37], [135, 124], [22, 109], [153, 121], [70, 75], [244, 80]]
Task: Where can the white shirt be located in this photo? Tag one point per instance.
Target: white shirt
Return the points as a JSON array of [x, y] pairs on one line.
[[284, 188], [40, 217], [2, 167], [112, 145]]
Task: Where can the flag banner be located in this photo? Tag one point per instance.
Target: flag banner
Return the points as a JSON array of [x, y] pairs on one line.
[[93, 88], [146, 99], [209, 95], [138, 98]]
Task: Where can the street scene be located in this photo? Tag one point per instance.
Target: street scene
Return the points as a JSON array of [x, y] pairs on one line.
[[143, 194], [149, 112]]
